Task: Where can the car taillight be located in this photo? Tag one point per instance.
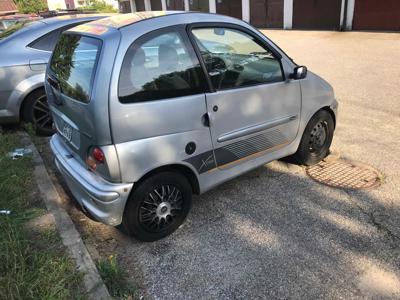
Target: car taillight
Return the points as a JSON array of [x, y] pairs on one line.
[[95, 157], [98, 155]]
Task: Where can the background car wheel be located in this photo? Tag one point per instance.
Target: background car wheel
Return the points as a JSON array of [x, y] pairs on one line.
[[158, 206], [316, 140], [36, 111]]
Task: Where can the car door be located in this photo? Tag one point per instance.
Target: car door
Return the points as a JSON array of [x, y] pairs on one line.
[[253, 109]]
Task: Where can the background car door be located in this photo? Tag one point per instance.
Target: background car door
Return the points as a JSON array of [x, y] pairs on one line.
[[253, 109]]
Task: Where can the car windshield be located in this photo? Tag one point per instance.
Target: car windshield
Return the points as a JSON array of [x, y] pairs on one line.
[[17, 26]]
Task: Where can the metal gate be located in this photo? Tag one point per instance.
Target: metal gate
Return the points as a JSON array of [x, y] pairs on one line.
[[231, 8], [376, 15], [266, 13], [316, 14]]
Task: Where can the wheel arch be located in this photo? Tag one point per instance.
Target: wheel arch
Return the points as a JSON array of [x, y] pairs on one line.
[[331, 112], [25, 97], [179, 168]]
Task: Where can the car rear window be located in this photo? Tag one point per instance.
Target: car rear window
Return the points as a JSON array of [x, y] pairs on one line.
[[74, 63]]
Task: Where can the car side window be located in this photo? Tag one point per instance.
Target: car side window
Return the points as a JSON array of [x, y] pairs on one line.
[[48, 41], [235, 59], [160, 65]]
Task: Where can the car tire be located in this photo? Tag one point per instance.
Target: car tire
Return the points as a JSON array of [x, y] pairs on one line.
[[316, 140], [157, 207], [36, 111]]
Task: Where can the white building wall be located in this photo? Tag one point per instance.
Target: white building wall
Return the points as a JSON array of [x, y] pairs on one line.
[[56, 4], [147, 5], [212, 6], [350, 14], [79, 3], [288, 14], [164, 4], [246, 10], [342, 14], [133, 5]]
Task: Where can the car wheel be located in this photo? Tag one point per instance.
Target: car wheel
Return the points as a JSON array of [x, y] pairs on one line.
[[158, 206], [316, 139], [36, 111]]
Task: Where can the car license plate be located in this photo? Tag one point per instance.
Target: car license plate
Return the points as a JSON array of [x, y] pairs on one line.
[[67, 131]]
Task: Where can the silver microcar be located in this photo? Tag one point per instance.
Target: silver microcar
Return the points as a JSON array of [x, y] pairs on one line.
[[152, 107]]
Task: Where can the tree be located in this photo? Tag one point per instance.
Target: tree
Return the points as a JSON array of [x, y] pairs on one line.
[[99, 6], [31, 6]]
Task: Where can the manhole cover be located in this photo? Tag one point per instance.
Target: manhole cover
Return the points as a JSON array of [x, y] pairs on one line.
[[345, 174]]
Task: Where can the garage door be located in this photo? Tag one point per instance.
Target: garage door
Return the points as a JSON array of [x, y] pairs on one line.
[[231, 8], [199, 5], [155, 4], [316, 14], [376, 15], [139, 5], [266, 13], [125, 7], [175, 5]]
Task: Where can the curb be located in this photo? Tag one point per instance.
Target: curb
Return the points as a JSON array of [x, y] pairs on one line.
[[71, 238]]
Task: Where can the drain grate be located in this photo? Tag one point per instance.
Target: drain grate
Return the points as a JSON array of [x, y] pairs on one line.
[[345, 174]]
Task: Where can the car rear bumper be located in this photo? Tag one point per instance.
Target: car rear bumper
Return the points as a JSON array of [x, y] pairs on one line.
[[104, 200]]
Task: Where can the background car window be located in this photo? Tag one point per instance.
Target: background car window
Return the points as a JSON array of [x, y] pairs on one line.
[[159, 67], [235, 59], [73, 64], [48, 41], [14, 28]]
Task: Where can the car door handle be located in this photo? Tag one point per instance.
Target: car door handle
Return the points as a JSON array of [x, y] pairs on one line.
[[205, 119], [215, 108]]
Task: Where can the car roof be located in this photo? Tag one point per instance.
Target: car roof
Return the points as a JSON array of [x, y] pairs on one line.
[[121, 20], [65, 18], [36, 29]]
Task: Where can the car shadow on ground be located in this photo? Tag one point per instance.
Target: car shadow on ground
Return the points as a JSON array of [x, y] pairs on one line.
[[272, 232]]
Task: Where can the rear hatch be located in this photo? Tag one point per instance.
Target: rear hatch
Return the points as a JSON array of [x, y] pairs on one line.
[[78, 103]]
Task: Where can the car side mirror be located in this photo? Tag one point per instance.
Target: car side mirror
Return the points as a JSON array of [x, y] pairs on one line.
[[299, 72]]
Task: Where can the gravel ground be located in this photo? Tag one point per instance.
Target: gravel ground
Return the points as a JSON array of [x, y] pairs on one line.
[[275, 233]]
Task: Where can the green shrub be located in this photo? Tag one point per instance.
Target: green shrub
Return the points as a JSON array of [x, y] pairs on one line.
[[31, 6], [99, 6]]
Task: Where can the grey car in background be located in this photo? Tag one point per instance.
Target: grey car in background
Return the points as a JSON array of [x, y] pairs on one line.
[[153, 107], [25, 49]]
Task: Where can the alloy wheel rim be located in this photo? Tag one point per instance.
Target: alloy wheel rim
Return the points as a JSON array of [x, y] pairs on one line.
[[160, 208], [41, 114], [318, 137]]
